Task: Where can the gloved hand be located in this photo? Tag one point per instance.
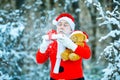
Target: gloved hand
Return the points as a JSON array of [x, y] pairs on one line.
[[67, 42], [44, 45]]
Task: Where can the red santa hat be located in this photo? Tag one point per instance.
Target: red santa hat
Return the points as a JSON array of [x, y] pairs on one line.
[[67, 17]]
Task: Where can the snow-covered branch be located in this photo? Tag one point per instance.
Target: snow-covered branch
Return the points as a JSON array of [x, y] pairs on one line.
[[113, 34]]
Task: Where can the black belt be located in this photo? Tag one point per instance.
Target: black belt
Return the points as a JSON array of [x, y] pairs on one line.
[[71, 79]]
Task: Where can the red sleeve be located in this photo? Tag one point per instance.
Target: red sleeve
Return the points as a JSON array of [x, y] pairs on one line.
[[84, 52], [41, 57]]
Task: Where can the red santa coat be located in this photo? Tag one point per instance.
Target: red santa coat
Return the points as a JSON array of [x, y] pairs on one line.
[[70, 69]]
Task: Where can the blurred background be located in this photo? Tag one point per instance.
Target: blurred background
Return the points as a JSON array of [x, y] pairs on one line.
[[23, 22]]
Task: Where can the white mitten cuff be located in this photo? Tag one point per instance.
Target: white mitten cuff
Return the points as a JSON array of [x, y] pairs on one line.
[[73, 46], [68, 43], [43, 47]]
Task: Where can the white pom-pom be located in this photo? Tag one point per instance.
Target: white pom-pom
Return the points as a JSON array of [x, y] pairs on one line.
[[87, 40], [54, 22]]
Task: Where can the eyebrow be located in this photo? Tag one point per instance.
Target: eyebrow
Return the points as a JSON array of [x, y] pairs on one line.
[[64, 22]]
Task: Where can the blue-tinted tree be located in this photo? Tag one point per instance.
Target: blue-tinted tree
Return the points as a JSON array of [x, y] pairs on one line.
[[11, 29], [111, 20]]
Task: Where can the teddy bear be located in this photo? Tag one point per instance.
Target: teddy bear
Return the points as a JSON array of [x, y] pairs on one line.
[[78, 37]]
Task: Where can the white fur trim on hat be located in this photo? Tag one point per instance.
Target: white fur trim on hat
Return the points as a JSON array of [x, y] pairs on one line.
[[72, 24], [54, 22]]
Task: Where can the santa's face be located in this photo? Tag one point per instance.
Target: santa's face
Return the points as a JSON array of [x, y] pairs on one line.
[[63, 27]]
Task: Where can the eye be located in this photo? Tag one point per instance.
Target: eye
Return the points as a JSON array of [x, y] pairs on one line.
[[59, 24], [74, 38], [66, 24]]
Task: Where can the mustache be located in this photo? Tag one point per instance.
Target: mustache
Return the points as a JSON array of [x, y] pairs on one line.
[[61, 31]]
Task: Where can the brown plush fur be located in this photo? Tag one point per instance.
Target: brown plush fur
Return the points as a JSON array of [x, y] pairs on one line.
[[78, 39]]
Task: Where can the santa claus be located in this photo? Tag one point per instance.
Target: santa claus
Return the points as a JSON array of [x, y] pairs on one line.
[[55, 42]]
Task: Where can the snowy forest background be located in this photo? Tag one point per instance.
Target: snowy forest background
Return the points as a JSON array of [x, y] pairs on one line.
[[23, 22]]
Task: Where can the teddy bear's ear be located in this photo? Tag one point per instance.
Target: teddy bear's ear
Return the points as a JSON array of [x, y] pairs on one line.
[[86, 36]]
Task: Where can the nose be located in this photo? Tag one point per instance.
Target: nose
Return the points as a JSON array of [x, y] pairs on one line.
[[61, 27]]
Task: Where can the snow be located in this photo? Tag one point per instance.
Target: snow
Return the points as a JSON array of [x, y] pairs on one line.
[[2, 28], [74, 1], [17, 64], [99, 8], [111, 52], [112, 21], [1, 19], [115, 1], [55, 0], [113, 33], [77, 10], [4, 76], [39, 2], [89, 1], [14, 32]]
